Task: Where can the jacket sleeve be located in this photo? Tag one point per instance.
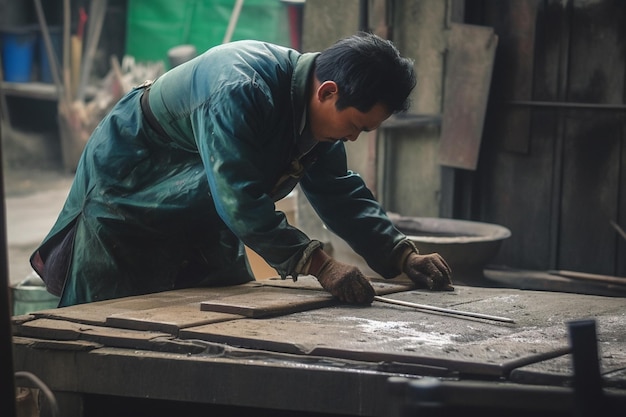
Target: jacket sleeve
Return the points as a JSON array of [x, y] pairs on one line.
[[348, 208], [230, 131]]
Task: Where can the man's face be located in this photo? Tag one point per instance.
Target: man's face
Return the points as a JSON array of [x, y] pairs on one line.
[[329, 124]]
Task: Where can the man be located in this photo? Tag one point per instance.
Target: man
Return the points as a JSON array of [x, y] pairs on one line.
[[184, 171]]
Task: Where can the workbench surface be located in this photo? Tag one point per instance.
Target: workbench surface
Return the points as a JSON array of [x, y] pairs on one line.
[[289, 346]]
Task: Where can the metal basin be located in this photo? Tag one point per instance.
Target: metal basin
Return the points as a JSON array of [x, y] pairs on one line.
[[467, 246]]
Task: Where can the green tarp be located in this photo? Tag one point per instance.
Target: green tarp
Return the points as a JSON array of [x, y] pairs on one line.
[[155, 26]]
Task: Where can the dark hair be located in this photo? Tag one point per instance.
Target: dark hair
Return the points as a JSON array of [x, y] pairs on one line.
[[368, 70]]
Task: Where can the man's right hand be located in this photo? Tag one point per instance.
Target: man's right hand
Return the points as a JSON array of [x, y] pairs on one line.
[[346, 282], [430, 271]]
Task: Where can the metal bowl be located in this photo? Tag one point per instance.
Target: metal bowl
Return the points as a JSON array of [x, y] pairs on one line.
[[467, 246]]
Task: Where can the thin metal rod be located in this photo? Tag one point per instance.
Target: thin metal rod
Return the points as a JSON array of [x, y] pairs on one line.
[[53, 406], [443, 310]]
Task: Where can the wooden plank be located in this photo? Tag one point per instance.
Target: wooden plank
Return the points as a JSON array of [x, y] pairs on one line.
[[589, 199], [513, 160], [267, 301], [98, 312], [591, 158], [603, 279], [514, 22], [65, 330], [272, 301], [61, 345], [544, 281], [471, 53], [168, 319]]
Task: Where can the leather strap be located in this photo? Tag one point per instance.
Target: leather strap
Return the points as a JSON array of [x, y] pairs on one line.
[[150, 117]]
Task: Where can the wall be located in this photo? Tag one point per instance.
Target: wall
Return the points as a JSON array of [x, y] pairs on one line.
[[411, 174]]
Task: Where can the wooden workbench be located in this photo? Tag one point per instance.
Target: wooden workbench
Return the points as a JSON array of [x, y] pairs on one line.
[[291, 347]]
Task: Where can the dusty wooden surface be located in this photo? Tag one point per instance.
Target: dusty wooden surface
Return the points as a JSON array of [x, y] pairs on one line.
[[303, 320]]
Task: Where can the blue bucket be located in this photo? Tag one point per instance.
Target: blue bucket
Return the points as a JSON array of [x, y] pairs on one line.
[[18, 48]]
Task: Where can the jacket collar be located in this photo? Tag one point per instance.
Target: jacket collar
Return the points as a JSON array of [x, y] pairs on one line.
[[299, 88]]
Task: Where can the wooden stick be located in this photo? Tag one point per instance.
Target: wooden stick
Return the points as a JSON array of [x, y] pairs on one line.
[[232, 23], [604, 279], [66, 51], [619, 229], [443, 310], [52, 57], [97, 13]]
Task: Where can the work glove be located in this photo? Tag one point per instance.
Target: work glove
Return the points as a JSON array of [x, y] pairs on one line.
[[346, 282], [428, 271]]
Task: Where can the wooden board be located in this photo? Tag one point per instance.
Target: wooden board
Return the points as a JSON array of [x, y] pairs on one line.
[[65, 330], [285, 297], [470, 58], [167, 319], [64, 345], [97, 313], [544, 281], [267, 301], [515, 23]]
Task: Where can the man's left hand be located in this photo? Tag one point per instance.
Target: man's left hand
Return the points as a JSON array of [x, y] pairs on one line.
[[429, 271]]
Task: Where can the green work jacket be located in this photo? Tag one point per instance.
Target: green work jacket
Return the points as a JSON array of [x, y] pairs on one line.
[[153, 212]]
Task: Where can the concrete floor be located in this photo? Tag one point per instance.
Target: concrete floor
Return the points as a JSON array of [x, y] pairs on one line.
[[33, 199]]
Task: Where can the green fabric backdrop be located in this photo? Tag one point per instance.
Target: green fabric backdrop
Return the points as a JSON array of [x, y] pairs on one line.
[[155, 26]]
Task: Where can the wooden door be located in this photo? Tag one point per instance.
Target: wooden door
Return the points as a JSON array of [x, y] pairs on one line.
[[553, 163]]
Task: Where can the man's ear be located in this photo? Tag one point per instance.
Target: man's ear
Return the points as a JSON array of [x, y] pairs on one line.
[[327, 90]]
